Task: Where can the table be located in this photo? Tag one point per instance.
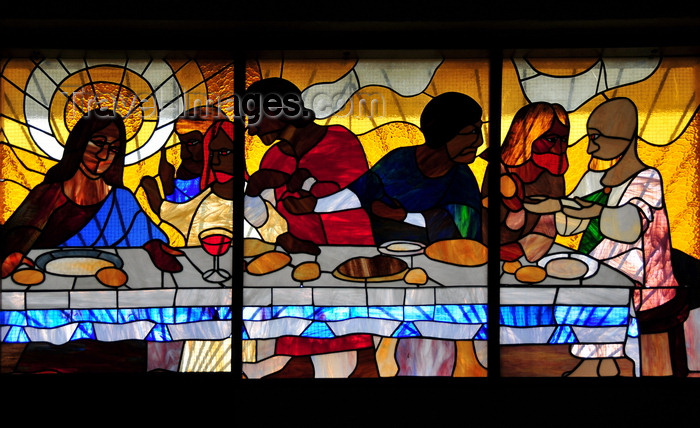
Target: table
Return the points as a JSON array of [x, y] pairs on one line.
[[595, 310], [451, 306], [152, 305]]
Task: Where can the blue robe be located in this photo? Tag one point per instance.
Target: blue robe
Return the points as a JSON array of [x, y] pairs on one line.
[[120, 222], [184, 190], [451, 204]]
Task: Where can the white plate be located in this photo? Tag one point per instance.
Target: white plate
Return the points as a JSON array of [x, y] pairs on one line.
[[402, 248], [77, 262], [589, 261]]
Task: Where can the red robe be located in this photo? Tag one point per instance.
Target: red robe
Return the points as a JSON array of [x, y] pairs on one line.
[[336, 161]]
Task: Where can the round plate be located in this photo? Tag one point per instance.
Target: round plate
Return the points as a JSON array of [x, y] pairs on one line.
[[43, 261], [589, 261], [402, 248]]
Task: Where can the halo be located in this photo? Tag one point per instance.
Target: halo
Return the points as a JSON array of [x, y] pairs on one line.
[[144, 92]]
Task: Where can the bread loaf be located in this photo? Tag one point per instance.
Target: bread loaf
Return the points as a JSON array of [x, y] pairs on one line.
[[530, 274], [307, 271], [566, 268], [28, 277], [511, 267], [268, 262], [416, 276], [462, 252], [111, 276], [372, 267]]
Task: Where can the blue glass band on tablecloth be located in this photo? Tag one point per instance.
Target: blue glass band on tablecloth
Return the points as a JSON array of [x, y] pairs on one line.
[[461, 314], [583, 316], [13, 323], [58, 317], [563, 317]]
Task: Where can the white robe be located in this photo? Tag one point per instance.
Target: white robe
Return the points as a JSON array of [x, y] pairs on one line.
[[636, 233]]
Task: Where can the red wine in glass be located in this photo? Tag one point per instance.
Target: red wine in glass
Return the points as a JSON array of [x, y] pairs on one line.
[[216, 242], [216, 245]]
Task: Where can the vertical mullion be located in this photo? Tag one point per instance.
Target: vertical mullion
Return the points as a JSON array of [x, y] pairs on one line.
[[494, 202], [239, 79]]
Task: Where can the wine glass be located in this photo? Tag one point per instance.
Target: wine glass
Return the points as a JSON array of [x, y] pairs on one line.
[[216, 241]]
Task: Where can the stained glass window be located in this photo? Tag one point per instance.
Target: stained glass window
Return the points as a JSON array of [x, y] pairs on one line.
[[367, 241]]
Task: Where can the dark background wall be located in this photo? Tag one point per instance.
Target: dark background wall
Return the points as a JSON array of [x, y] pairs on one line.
[[360, 24]]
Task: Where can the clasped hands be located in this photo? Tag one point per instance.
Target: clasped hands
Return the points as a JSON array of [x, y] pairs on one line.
[[576, 207], [306, 204], [297, 182]]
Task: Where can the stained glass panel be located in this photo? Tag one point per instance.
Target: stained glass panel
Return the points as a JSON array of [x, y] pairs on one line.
[[364, 253], [103, 251], [600, 217]]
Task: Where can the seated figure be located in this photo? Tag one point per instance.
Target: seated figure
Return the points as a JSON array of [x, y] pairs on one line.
[[306, 159], [213, 207], [533, 163], [82, 201], [422, 193], [620, 211], [183, 184]]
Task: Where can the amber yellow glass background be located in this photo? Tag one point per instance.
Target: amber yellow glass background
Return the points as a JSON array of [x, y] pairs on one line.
[[201, 82], [669, 127], [395, 120]]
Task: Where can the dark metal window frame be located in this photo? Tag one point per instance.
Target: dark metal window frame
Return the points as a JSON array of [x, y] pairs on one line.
[[494, 38]]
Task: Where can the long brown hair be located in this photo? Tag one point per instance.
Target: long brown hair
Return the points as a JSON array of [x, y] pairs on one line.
[[76, 145], [529, 124]]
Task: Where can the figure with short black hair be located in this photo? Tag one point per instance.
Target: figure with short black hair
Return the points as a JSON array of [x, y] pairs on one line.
[[424, 193], [306, 160]]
